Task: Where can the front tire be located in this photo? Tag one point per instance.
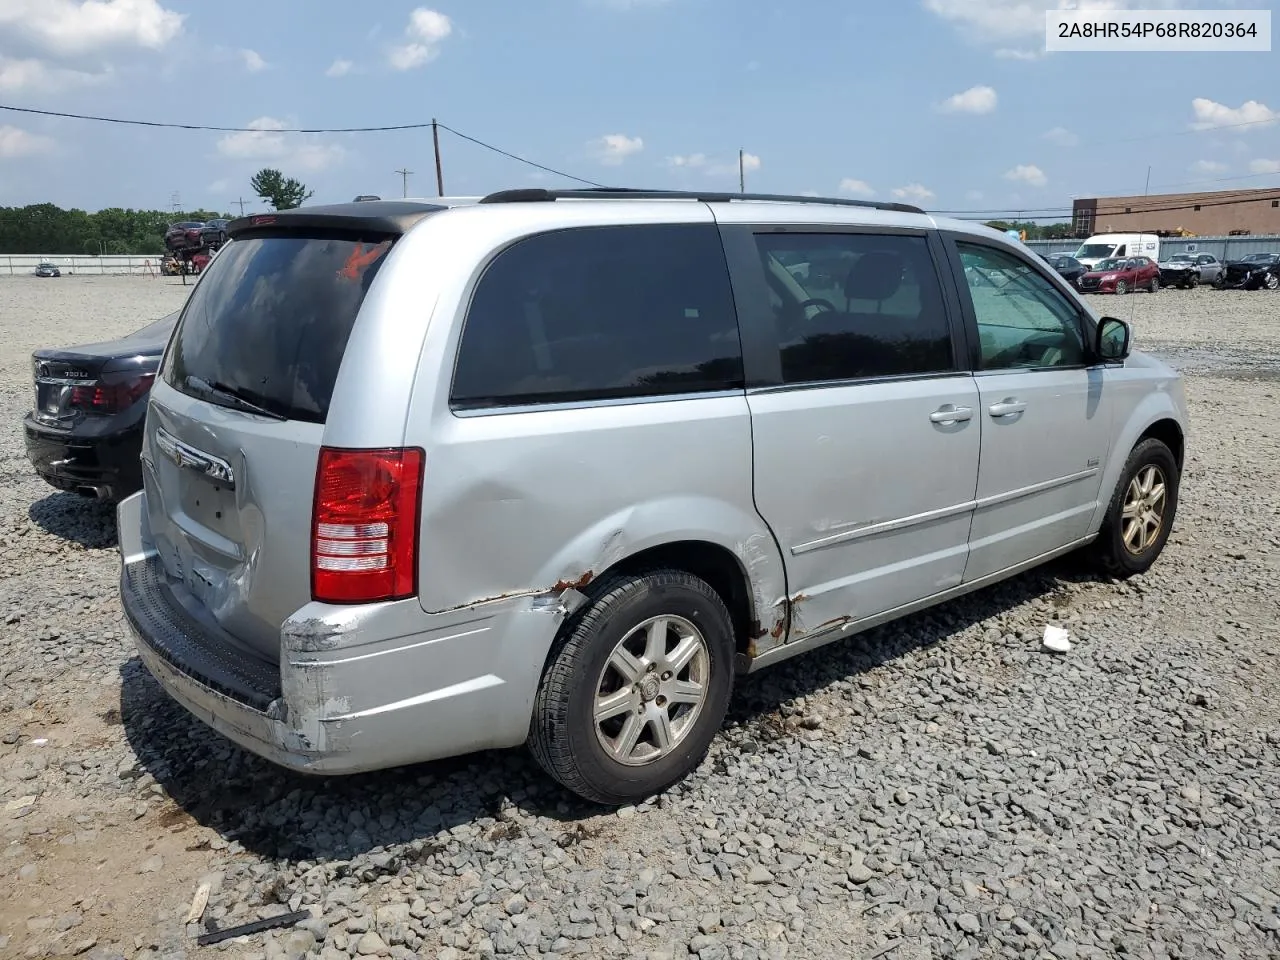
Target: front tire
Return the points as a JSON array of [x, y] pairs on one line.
[[1121, 288], [1155, 285], [1272, 282], [1141, 512], [635, 688]]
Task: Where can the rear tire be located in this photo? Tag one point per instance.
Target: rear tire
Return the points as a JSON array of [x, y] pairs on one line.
[[1155, 285], [1141, 513], [645, 647]]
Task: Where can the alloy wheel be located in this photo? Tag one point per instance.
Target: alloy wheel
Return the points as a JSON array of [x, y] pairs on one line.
[[1142, 518]]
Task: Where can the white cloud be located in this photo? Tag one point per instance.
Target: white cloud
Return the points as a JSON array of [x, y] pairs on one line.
[[72, 27], [1027, 173], [262, 143], [1013, 53], [1210, 114], [980, 99], [253, 61], [15, 142], [915, 192], [1264, 166], [219, 186], [1062, 137], [613, 148], [1208, 166], [339, 68], [858, 188], [1004, 21], [35, 74], [427, 29], [690, 160], [750, 162], [974, 195]]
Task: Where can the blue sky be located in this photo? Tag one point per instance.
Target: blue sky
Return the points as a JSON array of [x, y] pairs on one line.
[[949, 103]]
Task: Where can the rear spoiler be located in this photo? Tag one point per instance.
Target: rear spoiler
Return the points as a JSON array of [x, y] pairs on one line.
[[382, 217]]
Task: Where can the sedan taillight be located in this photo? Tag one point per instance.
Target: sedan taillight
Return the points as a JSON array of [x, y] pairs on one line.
[[109, 398]]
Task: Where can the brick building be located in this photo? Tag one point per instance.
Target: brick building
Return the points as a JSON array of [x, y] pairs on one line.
[[1217, 214]]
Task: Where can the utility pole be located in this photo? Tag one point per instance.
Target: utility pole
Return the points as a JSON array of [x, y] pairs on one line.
[[742, 174], [435, 140], [241, 202], [175, 201], [1147, 189], [404, 181]]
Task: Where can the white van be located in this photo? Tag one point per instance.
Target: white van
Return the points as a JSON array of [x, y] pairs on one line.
[[1106, 245]]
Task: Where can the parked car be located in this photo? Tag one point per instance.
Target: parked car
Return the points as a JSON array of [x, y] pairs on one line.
[[1121, 276], [566, 474], [1068, 267], [1186, 270], [46, 268], [1257, 271], [85, 431], [184, 236], [214, 233]]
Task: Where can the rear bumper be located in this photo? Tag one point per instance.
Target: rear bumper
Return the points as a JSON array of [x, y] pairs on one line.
[[109, 463], [356, 688]]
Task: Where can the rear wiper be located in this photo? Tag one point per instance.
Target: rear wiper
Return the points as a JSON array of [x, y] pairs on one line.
[[231, 396]]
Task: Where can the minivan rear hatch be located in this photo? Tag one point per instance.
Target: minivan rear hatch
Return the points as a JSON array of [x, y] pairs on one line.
[[237, 414]]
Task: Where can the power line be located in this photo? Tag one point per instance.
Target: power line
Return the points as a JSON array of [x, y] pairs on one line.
[[489, 146], [202, 126]]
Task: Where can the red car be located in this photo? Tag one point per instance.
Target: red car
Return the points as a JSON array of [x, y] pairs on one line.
[[1120, 275], [184, 236]]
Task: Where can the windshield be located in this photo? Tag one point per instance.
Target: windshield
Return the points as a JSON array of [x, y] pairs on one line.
[[1257, 258], [1091, 251], [1180, 258], [269, 322], [1112, 264]]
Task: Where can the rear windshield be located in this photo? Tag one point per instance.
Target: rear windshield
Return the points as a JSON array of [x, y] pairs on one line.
[[269, 322]]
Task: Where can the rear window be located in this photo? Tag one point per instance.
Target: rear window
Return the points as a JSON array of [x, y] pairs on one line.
[[270, 319], [596, 313]]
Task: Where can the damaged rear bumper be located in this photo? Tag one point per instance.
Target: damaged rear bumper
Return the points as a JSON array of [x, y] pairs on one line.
[[356, 688]]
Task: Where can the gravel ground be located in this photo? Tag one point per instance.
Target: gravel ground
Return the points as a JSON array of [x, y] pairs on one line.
[[938, 787]]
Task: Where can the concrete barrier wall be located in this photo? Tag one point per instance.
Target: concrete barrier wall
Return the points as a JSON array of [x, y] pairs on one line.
[[17, 264]]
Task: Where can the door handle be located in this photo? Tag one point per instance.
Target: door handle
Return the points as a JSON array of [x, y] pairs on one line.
[[950, 413], [1007, 407]]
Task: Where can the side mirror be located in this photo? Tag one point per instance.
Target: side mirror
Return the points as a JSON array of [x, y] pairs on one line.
[[1112, 342]]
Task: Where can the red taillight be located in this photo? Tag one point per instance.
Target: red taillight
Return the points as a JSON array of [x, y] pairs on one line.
[[364, 525], [110, 397]]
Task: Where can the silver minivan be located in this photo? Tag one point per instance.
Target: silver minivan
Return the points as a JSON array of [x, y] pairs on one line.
[[424, 478]]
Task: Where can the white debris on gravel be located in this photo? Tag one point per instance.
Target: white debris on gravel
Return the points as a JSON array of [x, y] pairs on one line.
[[934, 788]]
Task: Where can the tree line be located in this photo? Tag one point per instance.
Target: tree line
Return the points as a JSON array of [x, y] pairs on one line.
[[46, 228]]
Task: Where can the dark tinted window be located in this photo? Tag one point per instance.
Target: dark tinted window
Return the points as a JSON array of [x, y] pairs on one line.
[[270, 321], [601, 312], [855, 305]]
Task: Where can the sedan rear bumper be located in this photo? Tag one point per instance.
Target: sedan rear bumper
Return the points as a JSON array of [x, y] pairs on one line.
[[106, 465]]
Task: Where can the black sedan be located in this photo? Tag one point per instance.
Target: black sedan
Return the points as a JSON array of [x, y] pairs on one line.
[[1068, 267], [214, 233], [46, 269], [1256, 271], [85, 433]]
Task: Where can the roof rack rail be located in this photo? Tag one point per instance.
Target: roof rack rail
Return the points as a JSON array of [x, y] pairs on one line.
[[535, 194]]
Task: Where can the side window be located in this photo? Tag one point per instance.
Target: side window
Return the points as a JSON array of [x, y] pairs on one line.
[[599, 313], [1023, 321], [849, 306], [1120, 250]]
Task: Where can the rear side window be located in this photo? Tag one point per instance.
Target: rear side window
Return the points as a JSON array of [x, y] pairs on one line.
[[598, 313], [850, 306], [269, 322]]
